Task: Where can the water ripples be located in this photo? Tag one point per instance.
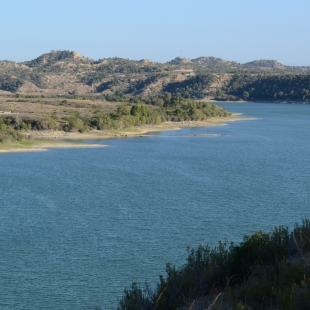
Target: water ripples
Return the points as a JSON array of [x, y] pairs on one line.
[[79, 225]]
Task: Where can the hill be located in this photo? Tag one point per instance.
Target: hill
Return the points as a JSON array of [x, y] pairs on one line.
[[69, 73]]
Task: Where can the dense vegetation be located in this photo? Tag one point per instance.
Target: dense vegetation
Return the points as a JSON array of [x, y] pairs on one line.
[[265, 271], [8, 130], [137, 112], [9, 84], [128, 116], [269, 87], [245, 86]]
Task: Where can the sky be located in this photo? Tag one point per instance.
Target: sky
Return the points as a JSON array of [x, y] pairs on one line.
[[159, 30]]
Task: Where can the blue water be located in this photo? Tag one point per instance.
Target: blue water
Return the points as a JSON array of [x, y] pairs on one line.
[[78, 225]]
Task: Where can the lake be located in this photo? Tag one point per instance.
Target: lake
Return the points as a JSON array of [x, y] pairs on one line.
[[78, 225]]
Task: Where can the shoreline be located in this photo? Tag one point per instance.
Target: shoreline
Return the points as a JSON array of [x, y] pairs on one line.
[[146, 129], [49, 139], [41, 146]]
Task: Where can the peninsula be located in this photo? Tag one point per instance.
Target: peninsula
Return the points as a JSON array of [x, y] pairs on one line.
[[32, 123]]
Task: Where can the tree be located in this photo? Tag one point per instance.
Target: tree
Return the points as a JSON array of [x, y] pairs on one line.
[[123, 110], [140, 110], [246, 95], [219, 93]]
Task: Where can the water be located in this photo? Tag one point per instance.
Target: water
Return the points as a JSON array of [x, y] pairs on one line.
[[78, 225]]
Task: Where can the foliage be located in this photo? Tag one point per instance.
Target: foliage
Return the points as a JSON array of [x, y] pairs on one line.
[[137, 298], [188, 78], [112, 66], [7, 130], [270, 87], [265, 271], [10, 84], [140, 84], [193, 87], [138, 112]]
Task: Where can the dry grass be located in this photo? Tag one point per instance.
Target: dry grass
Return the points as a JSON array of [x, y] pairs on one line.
[[41, 107]]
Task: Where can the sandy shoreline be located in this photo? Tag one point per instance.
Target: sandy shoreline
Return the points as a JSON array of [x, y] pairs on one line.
[[143, 130], [49, 139], [38, 146]]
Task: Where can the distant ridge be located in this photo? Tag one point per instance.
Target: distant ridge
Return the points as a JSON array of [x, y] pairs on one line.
[[214, 62], [53, 57], [263, 63], [69, 73], [210, 61], [179, 61]]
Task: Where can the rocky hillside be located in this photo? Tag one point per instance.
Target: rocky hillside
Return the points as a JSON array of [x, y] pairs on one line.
[[68, 73]]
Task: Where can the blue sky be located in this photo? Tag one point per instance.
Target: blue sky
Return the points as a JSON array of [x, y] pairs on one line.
[[240, 30]]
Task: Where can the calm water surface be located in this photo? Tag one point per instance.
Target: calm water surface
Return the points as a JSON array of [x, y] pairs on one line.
[[78, 225]]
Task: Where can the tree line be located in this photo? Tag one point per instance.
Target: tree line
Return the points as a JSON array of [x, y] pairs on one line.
[[127, 116], [269, 87], [245, 86], [137, 112]]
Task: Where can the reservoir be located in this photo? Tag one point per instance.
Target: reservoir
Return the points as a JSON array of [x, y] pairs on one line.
[[78, 225]]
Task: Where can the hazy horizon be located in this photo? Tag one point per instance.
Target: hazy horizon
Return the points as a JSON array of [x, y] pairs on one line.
[[232, 60]]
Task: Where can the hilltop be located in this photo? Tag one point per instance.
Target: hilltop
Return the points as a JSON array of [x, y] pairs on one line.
[[69, 73]]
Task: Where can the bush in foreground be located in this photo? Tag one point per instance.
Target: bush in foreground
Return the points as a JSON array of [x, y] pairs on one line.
[[265, 271]]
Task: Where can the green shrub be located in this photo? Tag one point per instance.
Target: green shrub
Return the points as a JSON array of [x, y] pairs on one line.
[[265, 271], [136, 298]]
